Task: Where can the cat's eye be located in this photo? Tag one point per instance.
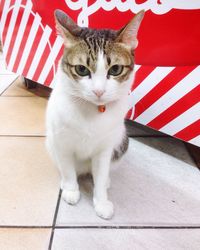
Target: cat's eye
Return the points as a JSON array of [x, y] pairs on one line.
[[81, 70], [115, 70]]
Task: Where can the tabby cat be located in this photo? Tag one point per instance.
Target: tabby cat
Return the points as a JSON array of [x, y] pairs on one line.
[[86, 110]]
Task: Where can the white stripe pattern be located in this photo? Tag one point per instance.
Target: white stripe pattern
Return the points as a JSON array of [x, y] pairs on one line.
[[174, 94], [51, 58], [4, 16], [195, 140], [11, 27], [20, 34], [149, 83], [41, 47], [29, 43], [183, 120]]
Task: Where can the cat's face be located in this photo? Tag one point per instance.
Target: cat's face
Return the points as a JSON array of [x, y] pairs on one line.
[[99, 62]]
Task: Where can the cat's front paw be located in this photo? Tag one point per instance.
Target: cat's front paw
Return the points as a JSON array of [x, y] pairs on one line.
[[71, 197], [104, 209]]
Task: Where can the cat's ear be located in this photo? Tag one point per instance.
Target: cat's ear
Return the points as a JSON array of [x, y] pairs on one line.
[[128, 34], [66, 27]]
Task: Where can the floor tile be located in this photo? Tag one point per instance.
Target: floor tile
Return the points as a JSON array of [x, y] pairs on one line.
[[136, 129], [126, 239], [156, 183], [24, 239], [18, 89], [22, 116], [29, 183], [6, 81]]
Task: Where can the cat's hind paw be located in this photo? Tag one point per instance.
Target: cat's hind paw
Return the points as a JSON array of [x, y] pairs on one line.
[[71, 197], [104, 209]]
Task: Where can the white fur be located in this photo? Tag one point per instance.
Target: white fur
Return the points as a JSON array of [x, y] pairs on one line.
[[81, 139]]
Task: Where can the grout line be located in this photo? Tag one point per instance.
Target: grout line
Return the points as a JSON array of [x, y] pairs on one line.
[[54, 220], [28, 227], [24, 96], [191, 155], [135, 136], [53, 227], [127, 227], [11, 96], [40, 136]]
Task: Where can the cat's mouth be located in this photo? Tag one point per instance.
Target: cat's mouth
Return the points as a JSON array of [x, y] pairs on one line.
[[90, 101], [99, 103]]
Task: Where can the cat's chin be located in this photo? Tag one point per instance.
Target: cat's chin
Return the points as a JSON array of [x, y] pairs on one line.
[[103, 102], [94, 102]]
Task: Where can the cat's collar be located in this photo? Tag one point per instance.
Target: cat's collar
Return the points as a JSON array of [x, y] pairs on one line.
[[101, 108]]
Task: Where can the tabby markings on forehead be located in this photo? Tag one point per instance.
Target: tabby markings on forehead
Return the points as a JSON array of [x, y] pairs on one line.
[[97, 40]]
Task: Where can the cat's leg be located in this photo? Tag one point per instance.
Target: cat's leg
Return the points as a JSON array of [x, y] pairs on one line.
[[100, 171], [66, 164], [69, 184]]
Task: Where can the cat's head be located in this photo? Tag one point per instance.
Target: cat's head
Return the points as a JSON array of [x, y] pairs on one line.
[[98, 62]]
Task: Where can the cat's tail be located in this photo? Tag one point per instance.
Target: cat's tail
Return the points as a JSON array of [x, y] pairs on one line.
[[121, 149]]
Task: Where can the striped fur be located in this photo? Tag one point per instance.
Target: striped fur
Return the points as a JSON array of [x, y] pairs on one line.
[[83, 46]]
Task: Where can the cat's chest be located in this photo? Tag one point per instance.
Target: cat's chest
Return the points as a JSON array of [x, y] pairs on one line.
[[89, 131], [87, 137]]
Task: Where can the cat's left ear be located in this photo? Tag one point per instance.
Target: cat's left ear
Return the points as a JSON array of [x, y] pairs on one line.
[[128, 34]]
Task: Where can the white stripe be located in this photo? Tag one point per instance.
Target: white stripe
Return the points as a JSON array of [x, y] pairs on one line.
[[132, 113], [4, 15], [52, 84], [29, 43], [182, 121], [149, 83], [20, 34], [173, 95], [11, 26], [136, 67], [51, 59], [195, 140], [41, 47]]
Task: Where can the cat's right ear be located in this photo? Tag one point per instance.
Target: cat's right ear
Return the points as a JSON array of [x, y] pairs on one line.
[[128, 34], [67, 28]]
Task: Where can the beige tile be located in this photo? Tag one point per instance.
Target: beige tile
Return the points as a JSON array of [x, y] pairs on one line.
[[126, 239], [29, 183], [6, 81], [24, 239], [22, 116], [18, 89]]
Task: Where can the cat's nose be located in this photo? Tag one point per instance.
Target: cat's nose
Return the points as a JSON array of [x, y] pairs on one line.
[[98, 92]]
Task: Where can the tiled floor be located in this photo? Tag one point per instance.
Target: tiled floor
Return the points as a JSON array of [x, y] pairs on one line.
[[155, 189]]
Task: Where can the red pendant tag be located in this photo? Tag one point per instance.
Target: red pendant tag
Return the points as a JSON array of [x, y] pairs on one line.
[[102, 108]]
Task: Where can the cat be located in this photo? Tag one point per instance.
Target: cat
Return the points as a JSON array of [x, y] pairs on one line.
[[86, 110]]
